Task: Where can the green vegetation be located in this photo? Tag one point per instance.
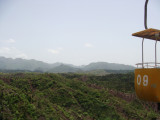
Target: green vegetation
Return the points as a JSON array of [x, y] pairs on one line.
[[48, 96]]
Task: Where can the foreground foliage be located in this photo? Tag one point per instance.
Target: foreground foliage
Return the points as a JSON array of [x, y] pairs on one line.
[[35, 96]]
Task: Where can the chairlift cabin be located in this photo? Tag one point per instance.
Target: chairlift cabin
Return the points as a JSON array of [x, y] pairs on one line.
[[147, 74]]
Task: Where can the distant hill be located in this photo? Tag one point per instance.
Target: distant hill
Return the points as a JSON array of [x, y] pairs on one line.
[[23, 64], [107, 66], [39, 66], [63, 69]]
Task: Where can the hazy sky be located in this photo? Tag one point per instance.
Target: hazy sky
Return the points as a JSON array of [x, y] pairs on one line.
[[77, 31]]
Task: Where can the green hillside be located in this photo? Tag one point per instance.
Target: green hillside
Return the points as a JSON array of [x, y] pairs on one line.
[[35, 96]]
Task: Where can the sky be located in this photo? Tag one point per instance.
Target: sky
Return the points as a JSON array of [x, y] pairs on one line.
[[77, 32]]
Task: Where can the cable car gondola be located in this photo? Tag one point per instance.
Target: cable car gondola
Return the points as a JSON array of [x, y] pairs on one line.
[[147, 74]]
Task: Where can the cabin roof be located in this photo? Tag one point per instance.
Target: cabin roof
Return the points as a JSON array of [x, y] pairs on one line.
[[151, 33]]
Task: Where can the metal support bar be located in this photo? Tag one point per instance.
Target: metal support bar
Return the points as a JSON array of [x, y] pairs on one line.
[[142, 54], [145, 14], [156, 53]]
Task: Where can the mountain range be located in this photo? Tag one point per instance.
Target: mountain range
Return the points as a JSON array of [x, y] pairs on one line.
[[34, 65]]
